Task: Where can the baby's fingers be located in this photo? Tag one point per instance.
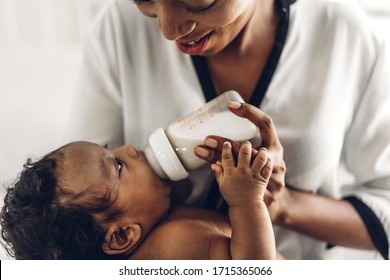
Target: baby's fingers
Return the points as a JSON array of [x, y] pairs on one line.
[[227, 157], [218, 171], [244, 155], [267, 169], [263, 164]]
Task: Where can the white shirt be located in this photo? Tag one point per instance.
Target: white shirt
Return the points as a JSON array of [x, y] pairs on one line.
[[329, 99]]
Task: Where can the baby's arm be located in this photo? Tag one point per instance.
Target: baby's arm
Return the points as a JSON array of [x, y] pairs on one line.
[[243, 186]]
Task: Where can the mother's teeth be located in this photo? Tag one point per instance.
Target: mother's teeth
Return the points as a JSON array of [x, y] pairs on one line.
[[191, 44]]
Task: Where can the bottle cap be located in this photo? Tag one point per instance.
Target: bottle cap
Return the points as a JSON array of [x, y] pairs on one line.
[[153, 162], [165, 155]]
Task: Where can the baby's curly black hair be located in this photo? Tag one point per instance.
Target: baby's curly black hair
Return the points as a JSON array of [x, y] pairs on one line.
[[36, 225]]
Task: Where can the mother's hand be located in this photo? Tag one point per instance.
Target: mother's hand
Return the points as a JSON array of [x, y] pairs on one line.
[[211, 151]]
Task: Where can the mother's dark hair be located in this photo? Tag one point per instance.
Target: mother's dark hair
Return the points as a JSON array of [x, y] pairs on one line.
[[35, 225]]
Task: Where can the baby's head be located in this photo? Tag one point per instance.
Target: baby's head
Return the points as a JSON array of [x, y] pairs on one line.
[[83, 201]]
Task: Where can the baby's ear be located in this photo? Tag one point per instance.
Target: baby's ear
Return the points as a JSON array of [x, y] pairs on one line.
[[121, 240]]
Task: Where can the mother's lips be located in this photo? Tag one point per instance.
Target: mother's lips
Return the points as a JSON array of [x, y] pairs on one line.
[[192, 40]]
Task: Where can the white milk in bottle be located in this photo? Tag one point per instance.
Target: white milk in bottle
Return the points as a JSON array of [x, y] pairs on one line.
[[171, 151]]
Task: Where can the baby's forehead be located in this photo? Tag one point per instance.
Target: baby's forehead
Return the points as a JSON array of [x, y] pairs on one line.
[[82, 179], [82, 153], [81, 147], [81, 165]]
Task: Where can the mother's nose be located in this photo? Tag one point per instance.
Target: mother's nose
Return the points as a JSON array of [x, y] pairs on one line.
[[173, 25]]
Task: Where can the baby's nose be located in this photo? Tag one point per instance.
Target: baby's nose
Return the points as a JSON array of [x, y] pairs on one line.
[[128, 150]]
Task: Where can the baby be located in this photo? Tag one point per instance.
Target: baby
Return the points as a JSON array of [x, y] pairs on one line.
[[85, 201]]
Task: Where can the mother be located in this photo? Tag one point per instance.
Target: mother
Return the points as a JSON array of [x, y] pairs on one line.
[[313, 66]]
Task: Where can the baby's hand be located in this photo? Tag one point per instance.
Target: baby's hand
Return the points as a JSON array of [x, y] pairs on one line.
[[244, 183]]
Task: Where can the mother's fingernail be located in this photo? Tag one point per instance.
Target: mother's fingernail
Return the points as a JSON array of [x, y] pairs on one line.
[[227, 144], [234, 105], [210, 142], [201, 151]]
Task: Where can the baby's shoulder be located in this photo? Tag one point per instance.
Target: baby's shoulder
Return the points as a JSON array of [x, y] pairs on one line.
[[188, 235]]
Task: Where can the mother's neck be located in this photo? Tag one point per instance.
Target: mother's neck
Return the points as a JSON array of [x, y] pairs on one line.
[[259, 31]]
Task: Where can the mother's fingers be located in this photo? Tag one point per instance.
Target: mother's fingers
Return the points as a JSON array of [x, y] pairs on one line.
[[260, 119], [207, 154], [216, 142], [211, 150]]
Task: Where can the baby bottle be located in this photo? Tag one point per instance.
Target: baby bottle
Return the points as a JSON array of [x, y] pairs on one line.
[[170, 152]]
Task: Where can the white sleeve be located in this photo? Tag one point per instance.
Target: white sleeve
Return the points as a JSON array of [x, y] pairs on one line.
[[97, 111], [367, 153]]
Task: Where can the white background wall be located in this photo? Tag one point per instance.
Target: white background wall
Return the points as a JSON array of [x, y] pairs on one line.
[[40, 43], [39, 56]]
